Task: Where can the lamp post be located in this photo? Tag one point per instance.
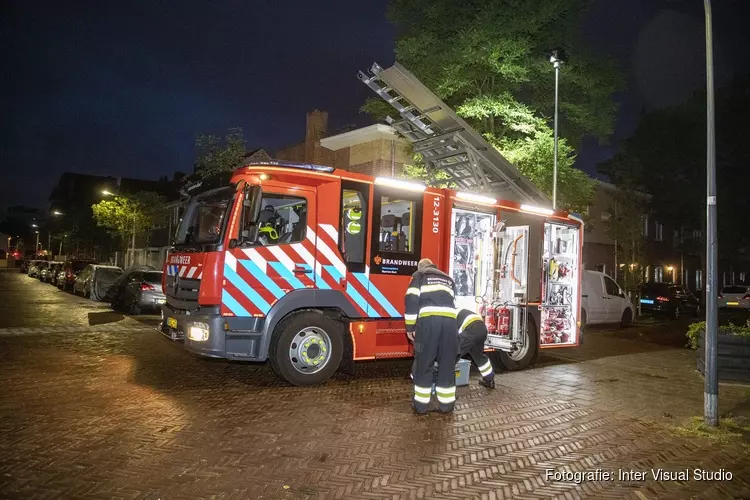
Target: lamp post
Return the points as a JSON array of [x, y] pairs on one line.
[[711, 389], [557, 57], [56, 213], [132, 242], [36, 250]]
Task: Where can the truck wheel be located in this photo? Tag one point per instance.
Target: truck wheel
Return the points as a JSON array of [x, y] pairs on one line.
[[525, 356], [306, 349]]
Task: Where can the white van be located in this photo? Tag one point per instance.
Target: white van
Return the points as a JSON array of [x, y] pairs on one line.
[[603, 301]]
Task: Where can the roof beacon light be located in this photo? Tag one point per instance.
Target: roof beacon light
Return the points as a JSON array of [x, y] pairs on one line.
[[476, 197], [397, 183], [291, 164], [537, 210]]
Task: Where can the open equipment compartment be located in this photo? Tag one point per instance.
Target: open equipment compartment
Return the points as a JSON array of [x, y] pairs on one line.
[[471, 255], [560, 284]]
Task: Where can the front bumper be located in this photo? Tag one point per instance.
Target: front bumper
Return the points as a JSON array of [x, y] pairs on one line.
[[175, 324]]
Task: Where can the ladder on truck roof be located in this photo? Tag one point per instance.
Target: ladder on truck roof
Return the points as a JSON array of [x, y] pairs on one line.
[[446, 141]]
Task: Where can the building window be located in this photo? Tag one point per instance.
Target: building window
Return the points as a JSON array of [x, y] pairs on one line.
[[645, 225], [742, 278], [676, 238], [697, 234], [658, 274], [699, 279], [658, 231], [606, 216], [685, 277]]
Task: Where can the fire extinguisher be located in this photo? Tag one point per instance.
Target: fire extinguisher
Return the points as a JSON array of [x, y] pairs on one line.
[[503, 320], [489, 318]]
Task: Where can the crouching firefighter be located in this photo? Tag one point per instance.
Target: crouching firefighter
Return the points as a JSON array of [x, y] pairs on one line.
[[431, 324], [472, 334]]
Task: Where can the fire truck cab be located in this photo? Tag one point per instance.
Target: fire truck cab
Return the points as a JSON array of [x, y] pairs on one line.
[[306, 267]]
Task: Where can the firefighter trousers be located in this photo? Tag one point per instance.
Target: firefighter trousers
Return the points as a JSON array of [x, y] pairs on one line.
[[473, 344], [435, 341]]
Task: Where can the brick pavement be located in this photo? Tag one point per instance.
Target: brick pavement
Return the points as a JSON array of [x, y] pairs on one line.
[[117, 411]]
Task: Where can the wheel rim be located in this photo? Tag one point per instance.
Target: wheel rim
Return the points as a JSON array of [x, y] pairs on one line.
[[519, 353], [310, 350]]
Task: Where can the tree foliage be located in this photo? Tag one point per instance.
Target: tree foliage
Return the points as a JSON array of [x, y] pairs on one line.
[[217, 154], [666, 156], [488, 60], [126, 215]]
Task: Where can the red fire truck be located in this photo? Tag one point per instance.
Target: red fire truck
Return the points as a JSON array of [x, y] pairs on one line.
[[306, 267]]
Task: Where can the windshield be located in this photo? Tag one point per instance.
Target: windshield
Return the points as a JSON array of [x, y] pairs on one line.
[[204, 218], [662, 288], [80, 265], [734, 289]]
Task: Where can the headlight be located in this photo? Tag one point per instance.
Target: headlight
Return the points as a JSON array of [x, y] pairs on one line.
[[198, 332]]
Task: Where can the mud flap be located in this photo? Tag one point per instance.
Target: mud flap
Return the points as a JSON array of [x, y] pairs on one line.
[[347, 360]]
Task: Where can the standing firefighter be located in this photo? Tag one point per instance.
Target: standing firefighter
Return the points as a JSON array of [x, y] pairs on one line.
[[472, 334], [431, 325]]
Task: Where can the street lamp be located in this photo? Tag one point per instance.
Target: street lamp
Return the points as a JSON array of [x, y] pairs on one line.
[[711, 387], [132, 242], [557, 57], [57, 212]]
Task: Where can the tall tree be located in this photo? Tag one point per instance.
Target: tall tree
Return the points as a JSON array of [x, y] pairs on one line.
[[488, 60], [625, 227], [217, 154], [666, 156], [128, 215]]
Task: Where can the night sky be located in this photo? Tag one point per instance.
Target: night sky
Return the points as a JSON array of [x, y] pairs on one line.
[[122, 88]]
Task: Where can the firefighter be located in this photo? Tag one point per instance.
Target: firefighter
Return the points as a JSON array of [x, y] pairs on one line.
[[431, 324], [472, 334]]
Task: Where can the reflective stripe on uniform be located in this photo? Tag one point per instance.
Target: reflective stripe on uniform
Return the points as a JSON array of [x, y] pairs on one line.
[[469, 320], [436, 288], [448, 312], [411, 319], [486, 368], [412, 291], [422, 394], [446, 395]]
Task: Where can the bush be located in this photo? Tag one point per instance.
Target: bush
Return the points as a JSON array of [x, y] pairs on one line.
[[695, 329]]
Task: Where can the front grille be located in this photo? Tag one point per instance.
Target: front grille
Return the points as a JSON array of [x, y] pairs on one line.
[[184, 292]]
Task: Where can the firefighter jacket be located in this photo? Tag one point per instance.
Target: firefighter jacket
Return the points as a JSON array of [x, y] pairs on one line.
[[470, 323], [430, 293]]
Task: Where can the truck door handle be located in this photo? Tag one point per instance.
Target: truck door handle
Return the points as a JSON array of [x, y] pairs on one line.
[[302, 270]]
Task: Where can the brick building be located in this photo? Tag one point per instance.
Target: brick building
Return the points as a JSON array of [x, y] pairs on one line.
[[672, 254], [374, 150]]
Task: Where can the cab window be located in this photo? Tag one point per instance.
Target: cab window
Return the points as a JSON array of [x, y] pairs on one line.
[[353, 224], [611, 286], [282, 219]]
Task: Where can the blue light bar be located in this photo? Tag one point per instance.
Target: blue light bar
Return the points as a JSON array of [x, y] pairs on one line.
[[291, 164]]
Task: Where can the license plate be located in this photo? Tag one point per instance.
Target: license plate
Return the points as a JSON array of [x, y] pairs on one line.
[[160, 301], [733, 303], [172, 322], [647, 301]]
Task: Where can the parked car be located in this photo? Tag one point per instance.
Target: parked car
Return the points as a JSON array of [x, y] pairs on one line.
[[42, 270], [603, 301], [51, 275], [669, 299], [138, 289], [95, 281], [34, 268], [25, 266], [70, 271], [734, 297]]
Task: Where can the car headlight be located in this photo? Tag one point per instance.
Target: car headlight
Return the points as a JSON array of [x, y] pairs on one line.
[[198, 332]]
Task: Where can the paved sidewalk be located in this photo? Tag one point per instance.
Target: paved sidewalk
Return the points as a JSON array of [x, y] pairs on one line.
[[91, 412]]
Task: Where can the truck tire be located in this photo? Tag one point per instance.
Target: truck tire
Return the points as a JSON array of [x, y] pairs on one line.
[[523, 358], [306, 348]]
